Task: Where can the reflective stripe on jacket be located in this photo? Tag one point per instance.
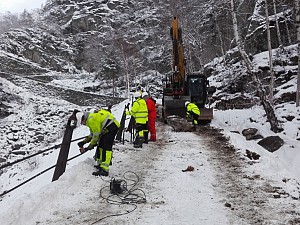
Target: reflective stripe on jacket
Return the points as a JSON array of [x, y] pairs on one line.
[[139, 111], [193, 108], [98, 121]]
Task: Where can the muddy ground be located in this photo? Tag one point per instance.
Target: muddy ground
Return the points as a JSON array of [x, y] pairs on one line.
[[251, 197]]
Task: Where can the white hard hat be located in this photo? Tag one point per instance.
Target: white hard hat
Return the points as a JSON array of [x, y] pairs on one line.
[[137, 94], [83, 115], [186, 103], [78, 117], [144, 94]]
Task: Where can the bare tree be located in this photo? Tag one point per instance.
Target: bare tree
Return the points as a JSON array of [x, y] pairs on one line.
[[261, 92], [128, 50], [277, 24], [297, 13], [265, 2], [26, 19], [8, 20]]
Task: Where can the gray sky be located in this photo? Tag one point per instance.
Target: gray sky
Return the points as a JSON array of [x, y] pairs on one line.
[[16, 6]]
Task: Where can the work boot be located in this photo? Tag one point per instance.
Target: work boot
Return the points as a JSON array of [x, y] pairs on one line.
[[97, 167], [146, 137], [100, 172], [137, 145], [135, 140], [139, 142]]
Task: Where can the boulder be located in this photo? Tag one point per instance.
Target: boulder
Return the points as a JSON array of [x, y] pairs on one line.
[[251, 134], [271, 143], [180, 124]]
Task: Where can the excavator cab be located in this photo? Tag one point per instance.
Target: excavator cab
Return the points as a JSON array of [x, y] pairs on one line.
[[196, 87]]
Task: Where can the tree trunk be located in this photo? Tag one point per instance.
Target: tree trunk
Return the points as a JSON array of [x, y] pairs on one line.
[[261, 92], [297, 13], [114, 87], [270, 51], [219, 34], [277, 24], [287, 31]]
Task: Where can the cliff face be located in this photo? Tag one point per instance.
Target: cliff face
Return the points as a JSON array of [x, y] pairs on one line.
[[118, 36]]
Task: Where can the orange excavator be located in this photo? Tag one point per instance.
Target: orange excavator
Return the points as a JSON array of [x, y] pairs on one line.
[[180, 87]]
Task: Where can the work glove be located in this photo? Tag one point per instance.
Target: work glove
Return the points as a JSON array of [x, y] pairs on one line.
[[127, 112], [83, 150], [81, 144]]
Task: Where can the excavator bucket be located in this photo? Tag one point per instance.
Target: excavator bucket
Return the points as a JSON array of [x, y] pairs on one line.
[[206, 114], [176, 107]]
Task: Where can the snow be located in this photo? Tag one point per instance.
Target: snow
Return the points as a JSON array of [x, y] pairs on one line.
[[172, 197], [169, 192]]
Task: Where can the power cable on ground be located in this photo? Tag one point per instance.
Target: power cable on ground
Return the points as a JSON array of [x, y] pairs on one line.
[[121, 195]]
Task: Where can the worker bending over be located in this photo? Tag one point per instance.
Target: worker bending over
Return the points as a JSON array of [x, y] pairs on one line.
[[103, 129], [192, 112]]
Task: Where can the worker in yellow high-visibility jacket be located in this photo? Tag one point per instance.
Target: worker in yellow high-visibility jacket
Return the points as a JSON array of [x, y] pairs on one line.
[[139, 111], [192, 111], [103, 129]]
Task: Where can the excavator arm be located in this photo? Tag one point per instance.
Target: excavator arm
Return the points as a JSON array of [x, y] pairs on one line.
[[178, 64]]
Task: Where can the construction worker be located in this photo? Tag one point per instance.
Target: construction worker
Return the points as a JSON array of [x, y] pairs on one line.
[[139, 112], [192, 111], [103, 129], [139, 89], [151, 105]]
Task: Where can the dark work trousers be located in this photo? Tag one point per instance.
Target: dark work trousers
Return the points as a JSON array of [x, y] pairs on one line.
[[195, 118], [106, 141]]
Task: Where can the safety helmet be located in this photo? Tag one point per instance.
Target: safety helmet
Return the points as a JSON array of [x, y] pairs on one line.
[[137, 94], [79, 117], [186, 103], [83, 115], [145, 94]]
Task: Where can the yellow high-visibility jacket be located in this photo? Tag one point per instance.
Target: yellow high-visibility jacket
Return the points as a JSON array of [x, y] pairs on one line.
[[97, 123], [192, 108], [139, 111]]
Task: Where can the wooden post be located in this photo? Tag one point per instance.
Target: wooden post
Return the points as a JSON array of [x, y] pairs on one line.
[[65, 147]]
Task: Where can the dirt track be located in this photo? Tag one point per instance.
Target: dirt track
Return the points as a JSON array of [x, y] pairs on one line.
[[250, 196]]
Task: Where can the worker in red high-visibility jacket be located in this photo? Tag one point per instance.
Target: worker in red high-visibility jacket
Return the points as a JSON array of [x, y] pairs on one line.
[[151, 105]]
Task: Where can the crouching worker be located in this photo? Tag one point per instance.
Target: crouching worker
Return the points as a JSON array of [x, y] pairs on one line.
[[103, 129], [192, 111]]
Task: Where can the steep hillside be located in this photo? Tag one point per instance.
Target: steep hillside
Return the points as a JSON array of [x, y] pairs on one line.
[[117, 37]]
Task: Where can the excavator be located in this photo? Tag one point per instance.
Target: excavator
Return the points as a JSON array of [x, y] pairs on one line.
[[180, 87]]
